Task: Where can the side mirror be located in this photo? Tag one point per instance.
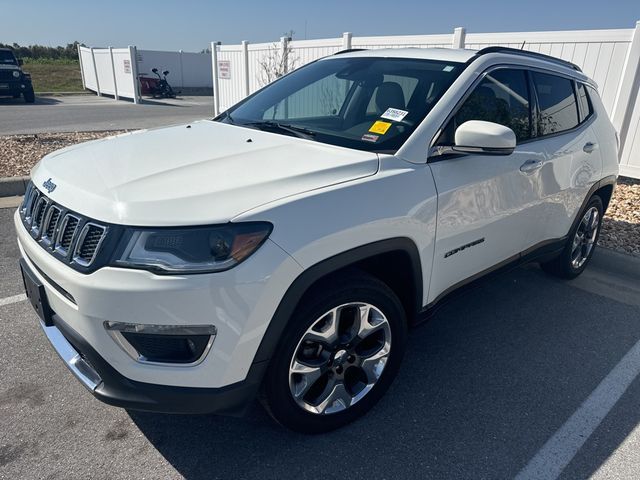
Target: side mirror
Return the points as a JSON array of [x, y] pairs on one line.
[[165, 73], [20, 62], [154, 70], [477, 136]]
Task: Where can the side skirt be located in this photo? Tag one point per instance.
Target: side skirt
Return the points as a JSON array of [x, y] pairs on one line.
[[544, 251]]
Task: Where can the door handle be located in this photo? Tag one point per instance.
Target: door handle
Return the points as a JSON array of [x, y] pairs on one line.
[[531, 166], [589, 147]]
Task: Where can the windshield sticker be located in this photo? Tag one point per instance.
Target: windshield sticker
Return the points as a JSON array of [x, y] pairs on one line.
[[394, 114], [367, 137], [448, 68], [380, 127]]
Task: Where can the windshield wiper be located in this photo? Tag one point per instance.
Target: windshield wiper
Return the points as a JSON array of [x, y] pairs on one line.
[[300, 132]]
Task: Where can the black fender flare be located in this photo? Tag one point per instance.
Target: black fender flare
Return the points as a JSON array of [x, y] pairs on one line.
[[610, 180], [313, 274]]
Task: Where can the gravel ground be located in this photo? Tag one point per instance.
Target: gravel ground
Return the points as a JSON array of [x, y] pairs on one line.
[[621, 226], [21, 152], [620, 231]]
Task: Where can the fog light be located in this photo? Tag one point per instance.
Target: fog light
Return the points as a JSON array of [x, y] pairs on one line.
[[163, 344]]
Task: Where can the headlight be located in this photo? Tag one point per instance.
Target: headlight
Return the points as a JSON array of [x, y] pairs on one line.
[[16, 74], [191, 249]]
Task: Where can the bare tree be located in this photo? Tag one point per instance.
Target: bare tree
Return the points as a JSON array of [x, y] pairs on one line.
[[278, 61]]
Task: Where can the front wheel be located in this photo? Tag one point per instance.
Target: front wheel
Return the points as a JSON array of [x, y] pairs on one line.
[[29, 96], [341, 353], [581, 243]]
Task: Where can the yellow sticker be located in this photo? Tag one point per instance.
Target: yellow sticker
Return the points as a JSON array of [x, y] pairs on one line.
[[380, 127]]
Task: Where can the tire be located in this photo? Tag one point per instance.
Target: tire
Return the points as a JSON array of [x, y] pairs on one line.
[[581, 243], [342, 365], [29, 96]]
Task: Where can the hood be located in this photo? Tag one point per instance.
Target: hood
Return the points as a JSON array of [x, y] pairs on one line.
[[203, 173]]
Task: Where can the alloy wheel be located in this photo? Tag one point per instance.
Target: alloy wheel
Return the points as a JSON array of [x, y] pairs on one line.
[[340, 358], [585, 237]]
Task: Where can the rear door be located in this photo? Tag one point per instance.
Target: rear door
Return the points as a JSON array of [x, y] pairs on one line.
[[486, 203], [572, 165]]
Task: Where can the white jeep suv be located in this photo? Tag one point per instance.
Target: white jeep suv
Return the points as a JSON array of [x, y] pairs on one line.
[[285, 247]]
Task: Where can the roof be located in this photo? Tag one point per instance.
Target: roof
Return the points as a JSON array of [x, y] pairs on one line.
[[458, 55], [463, 55]]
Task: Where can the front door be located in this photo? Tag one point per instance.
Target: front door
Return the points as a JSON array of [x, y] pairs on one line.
[[486, 203]]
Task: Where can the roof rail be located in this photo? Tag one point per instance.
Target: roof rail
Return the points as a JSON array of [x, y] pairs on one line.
[[349, 50], [527, 53]]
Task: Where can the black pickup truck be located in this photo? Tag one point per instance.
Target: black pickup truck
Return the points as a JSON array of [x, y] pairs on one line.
[[13, 81]]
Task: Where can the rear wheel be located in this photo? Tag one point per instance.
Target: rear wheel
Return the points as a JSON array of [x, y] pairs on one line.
[[340, 355], [581, 243]]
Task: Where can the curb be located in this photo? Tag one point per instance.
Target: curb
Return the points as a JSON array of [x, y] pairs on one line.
[[613, 262], [13, 186]]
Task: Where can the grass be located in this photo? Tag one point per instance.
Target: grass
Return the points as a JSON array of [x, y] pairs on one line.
[[54, 75]]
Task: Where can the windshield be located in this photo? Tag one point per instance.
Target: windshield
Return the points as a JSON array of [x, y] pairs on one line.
[[7, 58], [367, 103]]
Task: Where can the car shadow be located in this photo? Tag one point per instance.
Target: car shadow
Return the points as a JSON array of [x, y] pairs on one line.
[[20, 101], [172, 102], [482, 387]]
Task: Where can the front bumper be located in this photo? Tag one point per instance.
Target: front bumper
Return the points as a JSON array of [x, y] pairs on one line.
[[13, 88], [239, 303], [107, 385]]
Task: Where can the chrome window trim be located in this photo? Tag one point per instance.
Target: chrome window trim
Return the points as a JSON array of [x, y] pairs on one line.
[[83, 233]]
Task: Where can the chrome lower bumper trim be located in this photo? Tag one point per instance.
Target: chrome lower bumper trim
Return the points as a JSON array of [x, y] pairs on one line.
[[74, 361]]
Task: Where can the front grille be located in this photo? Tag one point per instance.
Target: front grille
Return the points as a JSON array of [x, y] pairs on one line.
[[7, 76], [89, 243], [67, 232], [51, 223], [67, 235], [38, 213]]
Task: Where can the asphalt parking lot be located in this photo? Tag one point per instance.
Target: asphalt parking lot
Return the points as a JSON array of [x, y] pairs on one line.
[[522, 375], [90, 113]]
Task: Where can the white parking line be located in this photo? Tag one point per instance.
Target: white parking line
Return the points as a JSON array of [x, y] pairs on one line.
[[14, 299], [560, 449]]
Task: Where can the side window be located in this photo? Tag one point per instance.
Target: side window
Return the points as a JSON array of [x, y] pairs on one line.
[[501, 97], [585, 102], [558, 109]]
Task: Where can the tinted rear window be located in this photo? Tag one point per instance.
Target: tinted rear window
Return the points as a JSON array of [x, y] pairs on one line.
[[557, 103]]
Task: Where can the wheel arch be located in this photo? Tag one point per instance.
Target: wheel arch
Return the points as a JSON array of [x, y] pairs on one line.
[[601, 188], [605, 192], [384, 259]]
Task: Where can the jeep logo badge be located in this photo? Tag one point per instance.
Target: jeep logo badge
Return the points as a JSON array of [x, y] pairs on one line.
[[49, 185]]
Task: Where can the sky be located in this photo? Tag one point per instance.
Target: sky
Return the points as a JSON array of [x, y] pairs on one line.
[[191, 25]]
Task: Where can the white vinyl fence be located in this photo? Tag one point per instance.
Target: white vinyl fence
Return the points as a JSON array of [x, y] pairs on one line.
[[114, 71], [109, 71], [610, 57]]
